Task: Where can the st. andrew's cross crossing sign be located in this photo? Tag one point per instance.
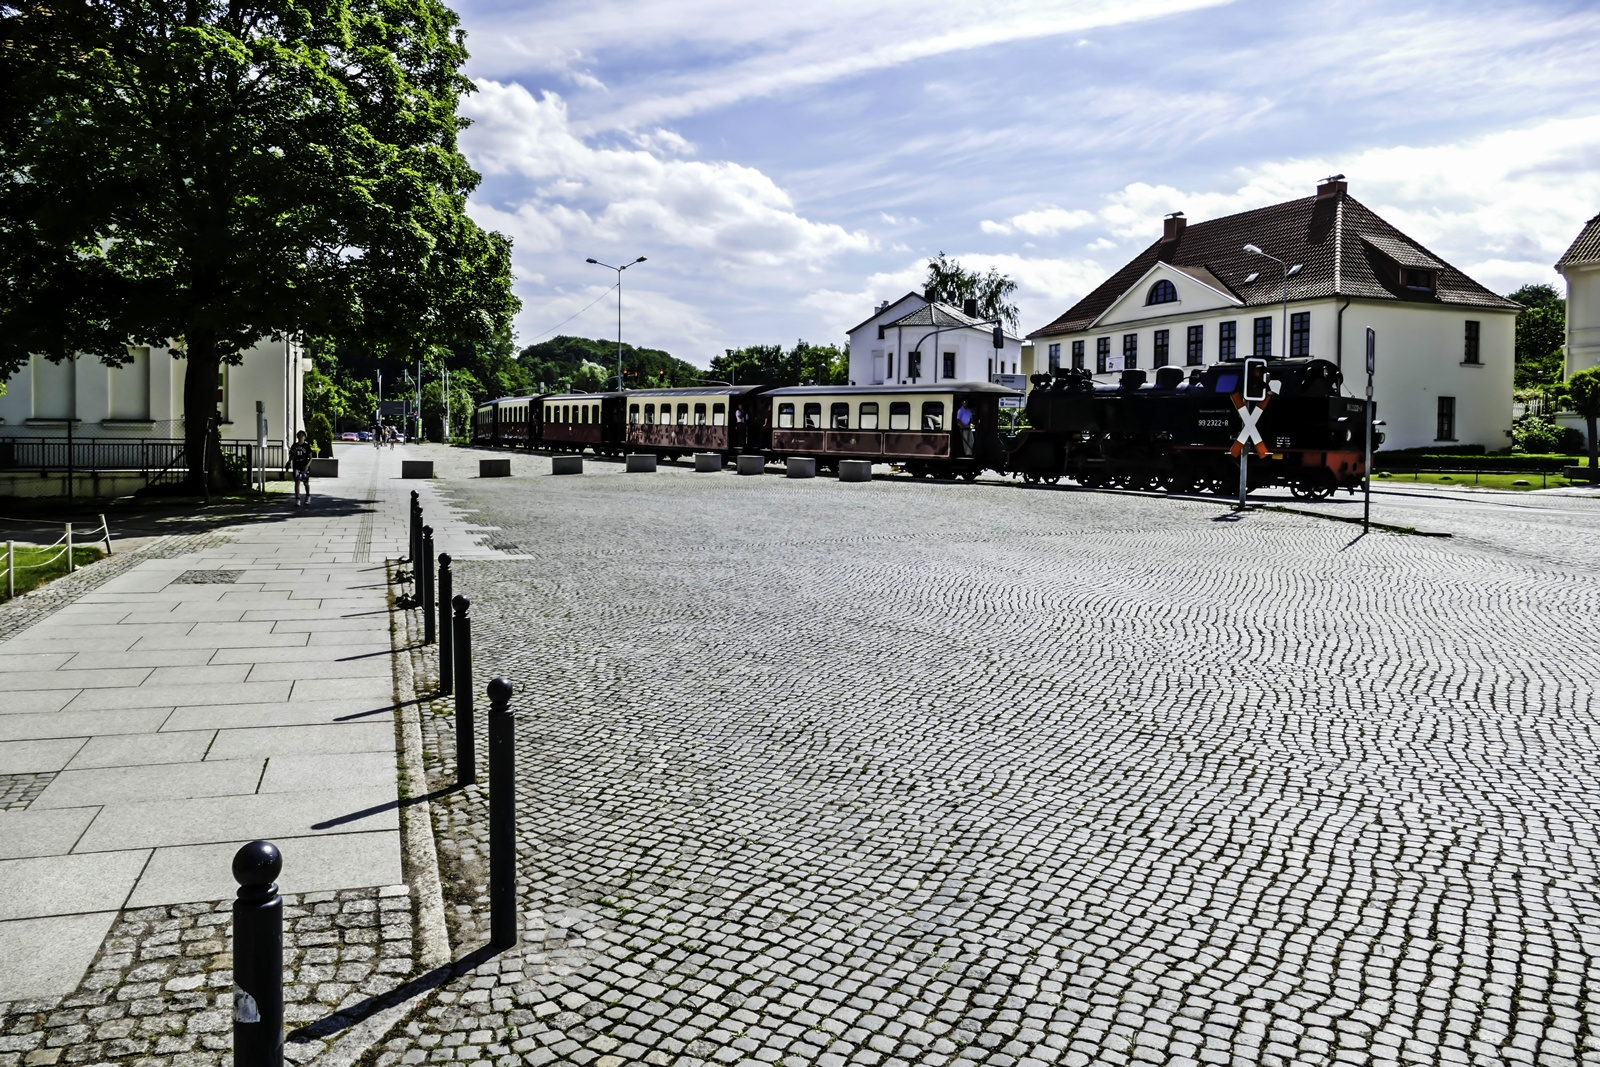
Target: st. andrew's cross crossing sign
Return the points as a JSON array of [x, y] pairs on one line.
[[1253, 391]]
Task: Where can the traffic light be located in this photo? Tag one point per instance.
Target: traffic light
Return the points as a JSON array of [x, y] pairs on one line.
[[1255, 380], [999, 337]]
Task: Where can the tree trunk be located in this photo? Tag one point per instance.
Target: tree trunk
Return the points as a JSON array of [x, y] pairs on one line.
[[202, 450], [1594, 446]]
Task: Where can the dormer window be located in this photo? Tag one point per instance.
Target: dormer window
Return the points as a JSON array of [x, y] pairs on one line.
[[1162, 292], [1420, 280]]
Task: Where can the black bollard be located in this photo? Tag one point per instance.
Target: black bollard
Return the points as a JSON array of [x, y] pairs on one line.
[[446, 645], [466, 757], [415, 530], [425, 585], [502, 817], [257, 957]]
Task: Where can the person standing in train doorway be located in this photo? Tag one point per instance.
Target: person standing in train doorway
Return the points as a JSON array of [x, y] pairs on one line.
[[738, 426], [964, 425]]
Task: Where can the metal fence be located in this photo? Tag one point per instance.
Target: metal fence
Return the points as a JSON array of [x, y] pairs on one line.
[[152, 457]]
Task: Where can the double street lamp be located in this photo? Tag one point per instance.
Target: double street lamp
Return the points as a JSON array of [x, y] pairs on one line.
[[619, 271], [1288, 272]]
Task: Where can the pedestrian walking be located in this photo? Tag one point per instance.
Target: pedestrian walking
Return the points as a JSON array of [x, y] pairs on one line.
[[300, 461]]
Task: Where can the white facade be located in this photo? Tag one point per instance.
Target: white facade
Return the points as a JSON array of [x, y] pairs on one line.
[[954, 347], [1581, 267], [145, 397]]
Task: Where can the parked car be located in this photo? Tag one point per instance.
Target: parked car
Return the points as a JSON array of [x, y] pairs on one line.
[[364, 435], [350, 436]]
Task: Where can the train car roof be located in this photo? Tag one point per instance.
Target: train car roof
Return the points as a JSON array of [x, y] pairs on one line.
[[861, 390], [699, 390]]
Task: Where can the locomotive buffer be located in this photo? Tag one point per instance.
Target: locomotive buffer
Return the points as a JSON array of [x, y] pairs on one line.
[[1254, 391]]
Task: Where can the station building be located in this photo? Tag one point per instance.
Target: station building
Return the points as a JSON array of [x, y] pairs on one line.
[[1196, 297], [1580, 265], [916, 341]]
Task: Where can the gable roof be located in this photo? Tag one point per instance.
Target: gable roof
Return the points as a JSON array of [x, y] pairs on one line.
[[887, 304], [1341, 242], [940, 316], [1586, 249]]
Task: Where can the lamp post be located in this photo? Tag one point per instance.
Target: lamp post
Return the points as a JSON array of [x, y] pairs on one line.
[[1288, 272], [619, 271]]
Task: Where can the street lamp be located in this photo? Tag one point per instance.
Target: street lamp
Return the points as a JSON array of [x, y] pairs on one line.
[[1288, 272], [619, 271]]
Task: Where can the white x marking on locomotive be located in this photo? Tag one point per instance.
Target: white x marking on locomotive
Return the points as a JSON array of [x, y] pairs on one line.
[[1249, 433]]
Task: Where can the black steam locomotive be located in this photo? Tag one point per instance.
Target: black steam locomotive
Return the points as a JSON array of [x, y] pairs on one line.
[[1185, 432]]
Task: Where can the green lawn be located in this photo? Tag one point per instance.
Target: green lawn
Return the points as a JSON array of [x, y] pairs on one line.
[[1530, 480], [31, 575]]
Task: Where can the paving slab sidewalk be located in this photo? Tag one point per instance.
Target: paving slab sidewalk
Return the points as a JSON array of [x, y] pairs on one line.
[[190, 704]]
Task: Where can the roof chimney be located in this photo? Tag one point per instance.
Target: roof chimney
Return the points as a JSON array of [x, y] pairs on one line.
[[1173, 228], [1332, 186], [969, 308], [931, 295]]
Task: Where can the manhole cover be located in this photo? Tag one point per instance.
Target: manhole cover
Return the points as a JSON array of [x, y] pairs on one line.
[[207, 578]]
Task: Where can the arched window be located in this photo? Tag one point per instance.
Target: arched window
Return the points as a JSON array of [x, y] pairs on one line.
[[1162, 292]]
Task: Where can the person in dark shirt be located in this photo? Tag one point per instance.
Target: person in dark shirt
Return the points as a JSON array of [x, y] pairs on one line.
[[300, 461]]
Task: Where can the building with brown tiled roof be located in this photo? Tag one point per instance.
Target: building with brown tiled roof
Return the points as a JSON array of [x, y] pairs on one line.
[[1580, 265], [1195, 297]]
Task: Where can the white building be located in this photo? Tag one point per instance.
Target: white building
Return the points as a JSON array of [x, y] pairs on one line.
[[1195, 297], [914, 341], [139, 401], [1581, 267]]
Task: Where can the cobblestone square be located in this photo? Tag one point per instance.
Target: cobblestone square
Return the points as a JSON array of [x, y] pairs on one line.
[[911, 773]]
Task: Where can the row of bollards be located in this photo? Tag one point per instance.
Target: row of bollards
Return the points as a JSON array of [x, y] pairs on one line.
[[258, 908]]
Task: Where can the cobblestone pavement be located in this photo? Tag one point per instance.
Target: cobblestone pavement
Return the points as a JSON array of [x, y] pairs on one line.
[[161, 990], [901, 773]]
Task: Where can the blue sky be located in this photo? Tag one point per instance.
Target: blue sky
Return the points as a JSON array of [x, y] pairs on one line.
[[784, 167]]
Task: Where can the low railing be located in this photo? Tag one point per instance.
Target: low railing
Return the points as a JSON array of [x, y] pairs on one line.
[[151, 457]]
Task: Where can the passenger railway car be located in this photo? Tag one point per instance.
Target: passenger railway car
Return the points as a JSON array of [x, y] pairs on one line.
[[917, 428], [510, 420], [1179, 432], [573, 422], [672, 422]]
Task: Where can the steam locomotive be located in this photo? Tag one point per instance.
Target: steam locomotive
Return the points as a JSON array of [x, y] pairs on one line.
[[1185, 433]]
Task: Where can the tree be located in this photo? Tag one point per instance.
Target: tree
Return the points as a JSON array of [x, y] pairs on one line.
[[1541, 335], [804, 364], [556, 365], [203, 174], [952, 283], [1583, 390]]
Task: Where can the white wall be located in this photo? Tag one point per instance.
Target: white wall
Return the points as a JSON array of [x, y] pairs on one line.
[[1583, 317]]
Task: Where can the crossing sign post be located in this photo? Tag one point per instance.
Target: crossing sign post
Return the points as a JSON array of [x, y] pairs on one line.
[[1254, 389], [1366, 493]]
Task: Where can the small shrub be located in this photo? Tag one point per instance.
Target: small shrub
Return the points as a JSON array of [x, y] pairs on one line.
[[320, 430], [1536, 434]]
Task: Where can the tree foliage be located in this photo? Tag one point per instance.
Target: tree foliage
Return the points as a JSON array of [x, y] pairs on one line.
[[1541, 335], [558, 365], [1583, 391], [952, 283], [207, 173], [804, 364]]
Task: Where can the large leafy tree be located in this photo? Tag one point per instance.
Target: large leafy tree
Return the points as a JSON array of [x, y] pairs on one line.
[[1541, 335], [1583, 390], [207, 172], [804, 364], [952, 283]]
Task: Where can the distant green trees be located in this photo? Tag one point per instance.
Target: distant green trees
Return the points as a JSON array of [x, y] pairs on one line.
[[585, 364], [1541, 336], [804, 364]]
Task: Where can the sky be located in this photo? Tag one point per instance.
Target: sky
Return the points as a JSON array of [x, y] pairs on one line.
[[784, 167]]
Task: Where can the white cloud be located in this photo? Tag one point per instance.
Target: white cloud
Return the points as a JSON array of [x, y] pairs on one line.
[[757, 50], [604, 198], [1044, 222]]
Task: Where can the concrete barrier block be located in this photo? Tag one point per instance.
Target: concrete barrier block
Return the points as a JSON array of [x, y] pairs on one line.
[[494, 468], [566, 464], [752, 464], [416, 468], [855, 470], [641, 463], [802, 467], [705, 462], [324, 467]]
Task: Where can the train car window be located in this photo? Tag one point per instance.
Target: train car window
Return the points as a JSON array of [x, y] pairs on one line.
[[786, 416], [699, 414], [683, 414], [869, 415], [900, 415], [585, 413], [566, 412], [649, 414], [933, 415], [813, 417], [1228, 381], [633, 414], [719, 414], [839, 416], [595, 411]]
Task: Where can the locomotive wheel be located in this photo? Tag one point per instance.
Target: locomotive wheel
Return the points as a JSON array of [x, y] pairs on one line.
[[970, 476], [1052, 479], [1030, 478], [1311, 489]]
